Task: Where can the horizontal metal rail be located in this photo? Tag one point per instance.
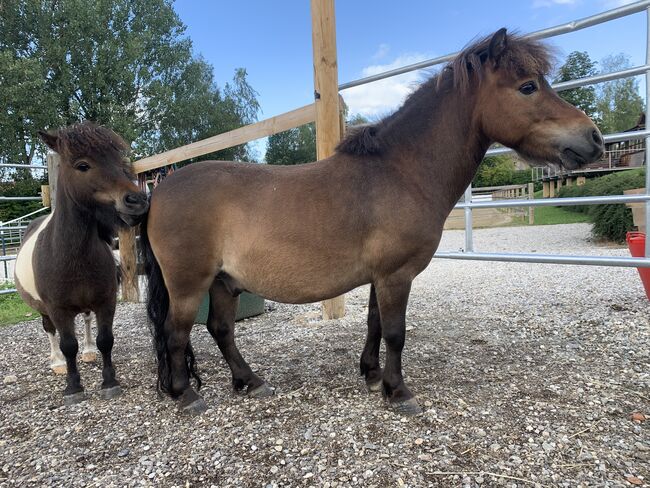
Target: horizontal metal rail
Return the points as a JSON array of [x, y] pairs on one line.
[[18, 199], [7, 291], [556, 202], [26, 166], [547, 259], [576, 25], [592, 80], [617, 137]]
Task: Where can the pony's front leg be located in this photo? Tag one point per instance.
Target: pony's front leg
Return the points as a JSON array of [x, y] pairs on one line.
[[57, 359], [369, 363], [110, 386], [89, 352], [64, 323], [392, 297]]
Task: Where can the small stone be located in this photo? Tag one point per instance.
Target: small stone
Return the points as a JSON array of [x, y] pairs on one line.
[[9, 379], [481, 433], [367, 474], [425, 457], [548, 446], [123, 453], [636, 416], [419, 441], [278, 448], [274, 469]]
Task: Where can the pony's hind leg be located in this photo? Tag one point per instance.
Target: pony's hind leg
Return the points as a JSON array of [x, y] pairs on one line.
[[110, 386], [57, 360], [221, 325], [177, 363], [64, 323], [392, 297], [89, 352], [369, 363]]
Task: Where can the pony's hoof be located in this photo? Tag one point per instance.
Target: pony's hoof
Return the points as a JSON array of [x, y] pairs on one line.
[[108, 393], [262, 391], [197, 407], [373, 386], [89, 356], [74, 398], [407, 407], [59, 369]]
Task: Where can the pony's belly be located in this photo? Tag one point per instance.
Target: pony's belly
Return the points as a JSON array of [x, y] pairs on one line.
[[24, 270]]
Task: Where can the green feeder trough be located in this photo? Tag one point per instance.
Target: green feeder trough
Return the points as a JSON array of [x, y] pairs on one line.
[[249, 306]]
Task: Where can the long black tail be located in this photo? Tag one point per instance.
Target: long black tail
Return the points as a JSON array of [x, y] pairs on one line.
[[157, 309]]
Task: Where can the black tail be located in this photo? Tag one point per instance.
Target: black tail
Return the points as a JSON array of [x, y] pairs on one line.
[[157, 308]]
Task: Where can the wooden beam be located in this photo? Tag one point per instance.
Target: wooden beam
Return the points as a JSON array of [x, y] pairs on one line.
[[53, 161], [263, 128], [328, 124], [130, 289]]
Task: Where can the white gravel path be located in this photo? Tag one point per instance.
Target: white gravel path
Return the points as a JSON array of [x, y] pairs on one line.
[[531, 375]]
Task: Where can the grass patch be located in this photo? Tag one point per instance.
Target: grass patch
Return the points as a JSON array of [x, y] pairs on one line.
[[558, 215], [13, 309]]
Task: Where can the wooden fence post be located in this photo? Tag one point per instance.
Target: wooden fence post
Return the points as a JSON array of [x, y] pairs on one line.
[[326, 92], [128, 264], [531, 210], [53, 161]]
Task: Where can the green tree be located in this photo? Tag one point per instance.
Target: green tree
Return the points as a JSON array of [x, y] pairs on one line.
[[619, 102], [578, 64], [297, 146], [294, 146], [123, 63], [495, 171]]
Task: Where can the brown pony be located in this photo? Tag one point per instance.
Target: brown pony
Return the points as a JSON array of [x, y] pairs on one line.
[[65, 265], [371, 213]]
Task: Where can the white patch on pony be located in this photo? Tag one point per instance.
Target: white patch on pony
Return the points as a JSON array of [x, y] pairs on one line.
[[24, 271], [57, 360]]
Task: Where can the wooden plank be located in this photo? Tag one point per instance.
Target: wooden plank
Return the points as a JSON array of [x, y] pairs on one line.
[[53, 161], [45, 195], [130, 289], [263, 128], [328, 123]]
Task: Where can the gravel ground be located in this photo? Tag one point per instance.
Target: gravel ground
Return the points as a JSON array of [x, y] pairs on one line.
[[530, 375]]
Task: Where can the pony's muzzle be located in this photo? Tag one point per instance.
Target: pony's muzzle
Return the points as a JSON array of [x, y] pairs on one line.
[[133, 207], [585, 148]]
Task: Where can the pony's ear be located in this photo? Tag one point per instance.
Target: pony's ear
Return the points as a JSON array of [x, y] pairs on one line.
[[498, 44], [50, 139]]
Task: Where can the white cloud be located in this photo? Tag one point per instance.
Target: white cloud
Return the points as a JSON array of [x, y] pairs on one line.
[[552, 3], [381, 97], [382, 51], [610, 4]]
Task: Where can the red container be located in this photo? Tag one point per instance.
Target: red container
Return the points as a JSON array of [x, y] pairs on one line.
[[636, 244]]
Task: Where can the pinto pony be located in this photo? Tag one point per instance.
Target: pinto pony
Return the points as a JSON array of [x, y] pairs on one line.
[[65, 265], [371, 213]]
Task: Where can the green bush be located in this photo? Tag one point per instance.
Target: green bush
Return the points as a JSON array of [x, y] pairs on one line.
[[613, 221]]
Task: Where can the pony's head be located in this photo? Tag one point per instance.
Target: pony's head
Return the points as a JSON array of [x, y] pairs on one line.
[[95, 173], [516, 106]]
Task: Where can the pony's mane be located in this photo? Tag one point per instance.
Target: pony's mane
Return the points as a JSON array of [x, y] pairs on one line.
[[89, 139], [521, 57]]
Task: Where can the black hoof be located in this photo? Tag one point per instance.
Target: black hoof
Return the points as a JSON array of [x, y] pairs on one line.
[[108, 393], [262, 391], [373, 386], [197, 407], [74, 398], [406, 407]]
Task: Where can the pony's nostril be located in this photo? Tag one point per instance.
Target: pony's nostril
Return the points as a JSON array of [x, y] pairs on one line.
[[132, 198], [597, 138]]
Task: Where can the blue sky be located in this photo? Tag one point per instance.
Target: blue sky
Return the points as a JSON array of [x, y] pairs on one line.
[[272, 40]]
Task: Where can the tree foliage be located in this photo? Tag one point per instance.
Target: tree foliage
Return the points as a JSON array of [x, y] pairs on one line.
[[297, 146], [123, 63], [578, 64], [619, 102]]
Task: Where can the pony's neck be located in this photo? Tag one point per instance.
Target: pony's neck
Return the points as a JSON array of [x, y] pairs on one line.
[[75, 227], [437, 136]]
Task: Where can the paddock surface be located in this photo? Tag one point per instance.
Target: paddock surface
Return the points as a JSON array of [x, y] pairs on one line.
[[530, 375]]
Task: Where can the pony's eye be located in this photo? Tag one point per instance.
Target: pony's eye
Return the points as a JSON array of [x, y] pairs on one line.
[[528, 88], [82, 166]]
